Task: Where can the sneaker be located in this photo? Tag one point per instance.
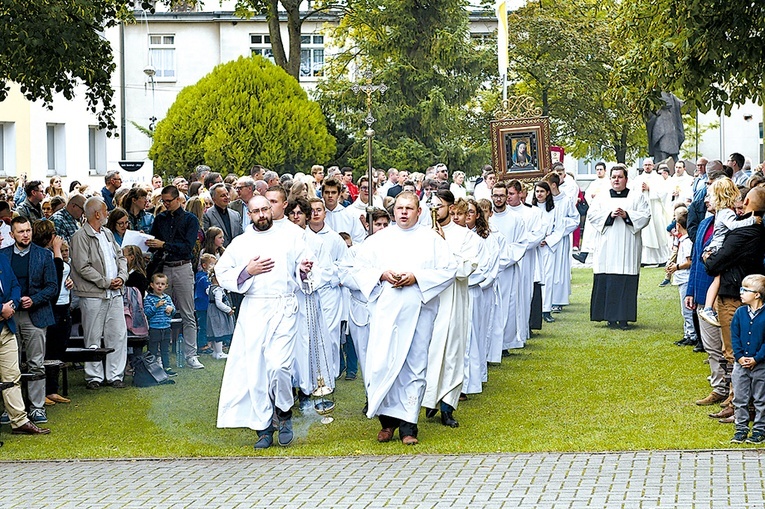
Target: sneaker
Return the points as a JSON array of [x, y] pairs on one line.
[[285, 432], [709, 316], [5, 419], [739, 437], [38, 416], [547, 317], [170, 372], [194, 363], [664, 283], [757, 437], [219, 356]]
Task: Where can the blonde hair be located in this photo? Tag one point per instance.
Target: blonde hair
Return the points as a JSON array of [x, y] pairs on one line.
[[756, 282], [724, 194]]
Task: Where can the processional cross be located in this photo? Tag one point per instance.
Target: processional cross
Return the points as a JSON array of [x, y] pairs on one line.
[[368, 88]]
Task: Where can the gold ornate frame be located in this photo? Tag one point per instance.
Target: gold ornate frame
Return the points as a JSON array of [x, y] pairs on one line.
[[506, 134]]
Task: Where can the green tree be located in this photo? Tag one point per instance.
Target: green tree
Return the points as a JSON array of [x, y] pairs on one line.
[[560, 55], [423, 52], [244, 112], [708, 52]]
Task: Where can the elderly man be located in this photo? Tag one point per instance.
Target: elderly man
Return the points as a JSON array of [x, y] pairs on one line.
[[113, 182], [67, 220], [482, 190], [245, 188], [700, 178], [619, 216], [30, 207], [402, 293], [175, 232], [271, 178], [266, 264], [15, 414], [654, 189], [221, 215], [34, 269], [182, 184], [99, 272]]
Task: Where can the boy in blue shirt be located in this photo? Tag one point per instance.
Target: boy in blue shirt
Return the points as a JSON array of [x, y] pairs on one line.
[[159, 309], [748, 341]]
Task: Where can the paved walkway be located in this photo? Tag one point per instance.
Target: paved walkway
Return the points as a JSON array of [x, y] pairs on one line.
[[677, 479]]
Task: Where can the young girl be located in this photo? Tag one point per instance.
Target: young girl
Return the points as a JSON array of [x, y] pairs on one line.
[[220, 318], [202, 301], [213, 242], [543, 198], [136, 265], [723, 196]]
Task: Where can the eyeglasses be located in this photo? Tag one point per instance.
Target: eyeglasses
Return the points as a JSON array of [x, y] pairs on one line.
[[263, 210], [746, 290], [168, 202], [364, 188], [122, 223]]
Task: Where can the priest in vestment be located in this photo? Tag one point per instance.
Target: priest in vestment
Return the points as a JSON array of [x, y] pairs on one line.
[[451, 331], [266, 264], [619, 215], [400, 270], [654, 236]]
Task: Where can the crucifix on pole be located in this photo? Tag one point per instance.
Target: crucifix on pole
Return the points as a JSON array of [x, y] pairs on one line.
[[368, 88]]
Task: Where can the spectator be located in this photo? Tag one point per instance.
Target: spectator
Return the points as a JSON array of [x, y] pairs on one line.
[[228, 220], [5, 224], [156, 182], [67, 220], [136, 266], [214, 241], [211, 179], [202, 301], [182, 184], [245, 186], [175, 232], [159, 310], [113, 182], [57, 203], [47, 208], [118, 224], [99, 271], [220, 321], [55, 188], [31, 207], [135, 205], [34, 269]]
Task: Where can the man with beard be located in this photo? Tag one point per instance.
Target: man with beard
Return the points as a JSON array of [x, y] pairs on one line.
[[267, 265], [402, 296]]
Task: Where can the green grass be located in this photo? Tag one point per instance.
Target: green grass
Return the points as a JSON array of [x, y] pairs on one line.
[[577, 386]]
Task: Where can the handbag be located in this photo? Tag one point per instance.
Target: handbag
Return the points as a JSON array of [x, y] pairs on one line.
[[148, 372]]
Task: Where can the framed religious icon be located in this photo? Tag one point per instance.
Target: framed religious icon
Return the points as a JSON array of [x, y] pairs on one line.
[[520, 148]]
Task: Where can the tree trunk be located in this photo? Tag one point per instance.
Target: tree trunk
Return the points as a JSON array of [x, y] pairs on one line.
[[621, 147], [274, 30], [294, 24], [545, 103]]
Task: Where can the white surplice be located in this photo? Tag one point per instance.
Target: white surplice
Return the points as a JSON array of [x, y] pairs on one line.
[[654, 236], [565, 222], [590, 235], [451, 331], [401, 319], [258, 373]]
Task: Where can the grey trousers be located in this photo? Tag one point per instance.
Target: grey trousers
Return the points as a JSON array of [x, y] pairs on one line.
[[749, 384], [105, 318], [180, 288], [711, 338], [32, 341]]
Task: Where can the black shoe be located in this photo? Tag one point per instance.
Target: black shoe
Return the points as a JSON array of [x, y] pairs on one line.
[[505, 353], [699, 348], [623, 326], [430, 412], [580, 257], [547, 317], [447, 419], [611, 325], [365, 409]]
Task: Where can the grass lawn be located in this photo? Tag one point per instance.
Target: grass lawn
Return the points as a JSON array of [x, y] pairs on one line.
[[577, 386]]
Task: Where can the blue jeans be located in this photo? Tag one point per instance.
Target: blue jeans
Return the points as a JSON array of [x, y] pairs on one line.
[[348, 358], [201, 328]]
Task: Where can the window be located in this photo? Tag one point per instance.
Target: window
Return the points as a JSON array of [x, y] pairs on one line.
[[162, 56], [96, 151], [483, 40], [7, 148], [260, 44], [311, 55], [56, 136]]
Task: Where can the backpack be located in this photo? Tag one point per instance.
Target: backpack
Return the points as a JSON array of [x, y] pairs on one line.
[[132, 301]]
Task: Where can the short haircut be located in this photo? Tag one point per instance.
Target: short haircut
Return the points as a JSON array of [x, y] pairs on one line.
[[171, 190], [738, 158], [618, 167], [501, 185], [551, 178], [92, 205], [345, 236], [461, 205], [600, 164], [757, 283], [19, 220], [681, 216], [515, 184], [378, 213], [300, 203], [756, 197], [346, 169], [256, 168], [331, 182], [558, 166], [445, 196], [270, 175], [407, 195], [214, 189], [211, 178], [199, 170], [110, 175], [246, 181], [31, 186], [315, 200], [206, 258], [158, 275], [42, 232], [278, 189], [4, 206]]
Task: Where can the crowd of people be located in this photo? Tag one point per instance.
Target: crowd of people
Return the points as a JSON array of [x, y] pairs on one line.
[[407, 280]]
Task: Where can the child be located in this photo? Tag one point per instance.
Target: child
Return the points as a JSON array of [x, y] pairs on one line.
[[202, 300], [136, 265], [213, 242], [220, 318], [747, 332], [681, 269], [723, 197], [159, 310]]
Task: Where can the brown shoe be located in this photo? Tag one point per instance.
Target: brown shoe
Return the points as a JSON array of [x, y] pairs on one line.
[[727, 420], [29, 428], [49, 402], [728, 401], [385, 435], [722, 414], [711, 399], [410, 440], [58, 398]]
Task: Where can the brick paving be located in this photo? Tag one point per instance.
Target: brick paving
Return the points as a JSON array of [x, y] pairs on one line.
[[646, 479]]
